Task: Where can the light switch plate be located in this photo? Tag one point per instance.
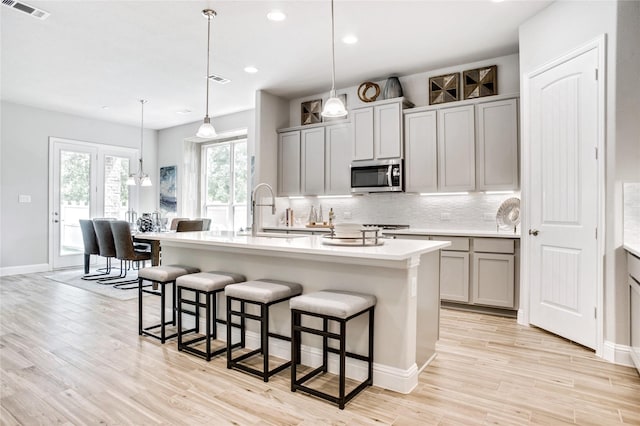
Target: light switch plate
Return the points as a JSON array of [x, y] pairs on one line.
[[445, 217], [24, 198], [347, 215]]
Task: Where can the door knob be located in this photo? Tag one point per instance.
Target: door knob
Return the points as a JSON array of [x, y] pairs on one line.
[[533, 232]]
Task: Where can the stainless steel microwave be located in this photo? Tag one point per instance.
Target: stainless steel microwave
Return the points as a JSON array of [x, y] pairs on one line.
[[377, 176]]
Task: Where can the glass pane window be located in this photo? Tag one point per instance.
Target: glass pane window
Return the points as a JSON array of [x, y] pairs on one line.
[[225, 184], [75, 198], [116, 190]]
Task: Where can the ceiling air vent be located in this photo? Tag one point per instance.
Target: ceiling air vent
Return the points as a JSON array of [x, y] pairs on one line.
[[29, 10], [218, 79]]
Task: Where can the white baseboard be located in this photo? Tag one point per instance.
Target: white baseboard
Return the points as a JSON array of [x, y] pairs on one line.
[[384, 376], [617, 354], [24, 269]]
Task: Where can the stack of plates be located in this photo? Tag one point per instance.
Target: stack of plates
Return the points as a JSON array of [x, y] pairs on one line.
[[347, 230]]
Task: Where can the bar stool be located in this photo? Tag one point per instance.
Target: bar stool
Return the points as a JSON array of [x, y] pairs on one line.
[[209, 284], [330, 305], [160, 276], [262, 293]]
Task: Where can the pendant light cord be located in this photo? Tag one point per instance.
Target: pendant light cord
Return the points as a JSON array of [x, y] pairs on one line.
[[333, 52], [142, 102], [208, 59]]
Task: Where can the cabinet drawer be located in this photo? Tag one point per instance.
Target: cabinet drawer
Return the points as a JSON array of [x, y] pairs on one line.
[[633, 265], [493, 245], [457, 243]]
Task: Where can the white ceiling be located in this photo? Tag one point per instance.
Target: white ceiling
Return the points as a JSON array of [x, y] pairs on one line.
[[89, 54]]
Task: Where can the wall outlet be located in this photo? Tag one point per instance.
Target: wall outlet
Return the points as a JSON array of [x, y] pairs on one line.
[[488, 217], [445, 217], [24, 198], [346, 215]]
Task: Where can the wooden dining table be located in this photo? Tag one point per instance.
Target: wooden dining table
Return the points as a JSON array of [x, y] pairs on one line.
[[155, 247]]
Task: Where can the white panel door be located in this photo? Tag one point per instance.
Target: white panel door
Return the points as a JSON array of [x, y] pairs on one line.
[[563, 198], [387, 134], [421, 172], [289, 163], [362, 119], [456, 149], [312, 161], [338, 159]]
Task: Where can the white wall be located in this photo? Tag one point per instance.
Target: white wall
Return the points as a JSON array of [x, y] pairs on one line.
[[24, 169], [556, 30], [416, 86]]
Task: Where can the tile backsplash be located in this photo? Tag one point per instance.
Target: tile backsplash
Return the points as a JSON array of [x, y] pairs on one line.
[[474, 211]]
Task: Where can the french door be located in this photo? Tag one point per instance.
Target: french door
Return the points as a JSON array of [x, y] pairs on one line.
[[564, 207], [86, 180]]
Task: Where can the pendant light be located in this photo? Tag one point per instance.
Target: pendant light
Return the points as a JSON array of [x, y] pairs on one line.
[[140, 178], [334, 106], [206, 130]]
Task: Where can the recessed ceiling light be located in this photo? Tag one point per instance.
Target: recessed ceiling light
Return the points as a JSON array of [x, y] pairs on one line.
[[349, 39], [497, 1], [276, 15], [184, 112], [105, 107], [251, 70]]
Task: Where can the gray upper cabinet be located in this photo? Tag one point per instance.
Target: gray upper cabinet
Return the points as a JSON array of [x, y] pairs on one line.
[[312, 161], [456, 149], [377, 130], [497, 145], [421, 171], [337, 159], [289, 163]]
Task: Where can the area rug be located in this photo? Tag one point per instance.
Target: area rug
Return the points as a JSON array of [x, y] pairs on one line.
[[73, 277]]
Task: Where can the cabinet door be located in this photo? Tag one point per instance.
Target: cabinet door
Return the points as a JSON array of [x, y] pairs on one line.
[[421, 173], [456, 152], [387, 133], [454, 276], [289, 163], [493, 279], [362, 121], [497, 145], [338, 158], [312, 161]]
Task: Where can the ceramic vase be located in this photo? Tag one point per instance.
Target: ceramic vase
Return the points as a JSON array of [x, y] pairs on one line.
[[392, 89]]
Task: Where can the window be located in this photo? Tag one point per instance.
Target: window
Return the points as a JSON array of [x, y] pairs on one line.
[[224, 172]]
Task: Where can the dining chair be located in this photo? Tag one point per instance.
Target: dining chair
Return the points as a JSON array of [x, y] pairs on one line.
[[90, 242], [175, 221], [126, 252], [189, 225], [106, 247]]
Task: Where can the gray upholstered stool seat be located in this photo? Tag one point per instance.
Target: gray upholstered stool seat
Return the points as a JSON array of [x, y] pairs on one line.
[[330, 305], [262, 293], [165, 273], [160, 276], [334, 303], [208, 284], [263, 290]]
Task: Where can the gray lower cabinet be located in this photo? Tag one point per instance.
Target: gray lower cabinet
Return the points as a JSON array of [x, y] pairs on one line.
[[633, 264], [454, 276], [493, 279], [478, 271]]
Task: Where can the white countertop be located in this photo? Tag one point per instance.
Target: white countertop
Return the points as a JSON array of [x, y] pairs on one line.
[[632, 247], [454, 233], [414, 231], [390, 250]]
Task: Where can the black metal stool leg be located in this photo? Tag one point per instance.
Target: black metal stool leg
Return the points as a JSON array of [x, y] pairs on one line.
[[264, 340], [140, 306]]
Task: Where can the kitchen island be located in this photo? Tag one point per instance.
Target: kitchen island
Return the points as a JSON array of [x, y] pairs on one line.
[[402, 274]]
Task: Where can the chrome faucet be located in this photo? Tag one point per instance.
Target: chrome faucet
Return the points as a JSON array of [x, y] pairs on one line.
[[254, 228]]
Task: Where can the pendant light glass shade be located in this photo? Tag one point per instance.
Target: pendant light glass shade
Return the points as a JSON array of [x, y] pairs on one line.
[[334, 106], [140, 178], [206, 129]]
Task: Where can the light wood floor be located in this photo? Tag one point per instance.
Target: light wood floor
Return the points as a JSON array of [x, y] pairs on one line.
[[74, 357]]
